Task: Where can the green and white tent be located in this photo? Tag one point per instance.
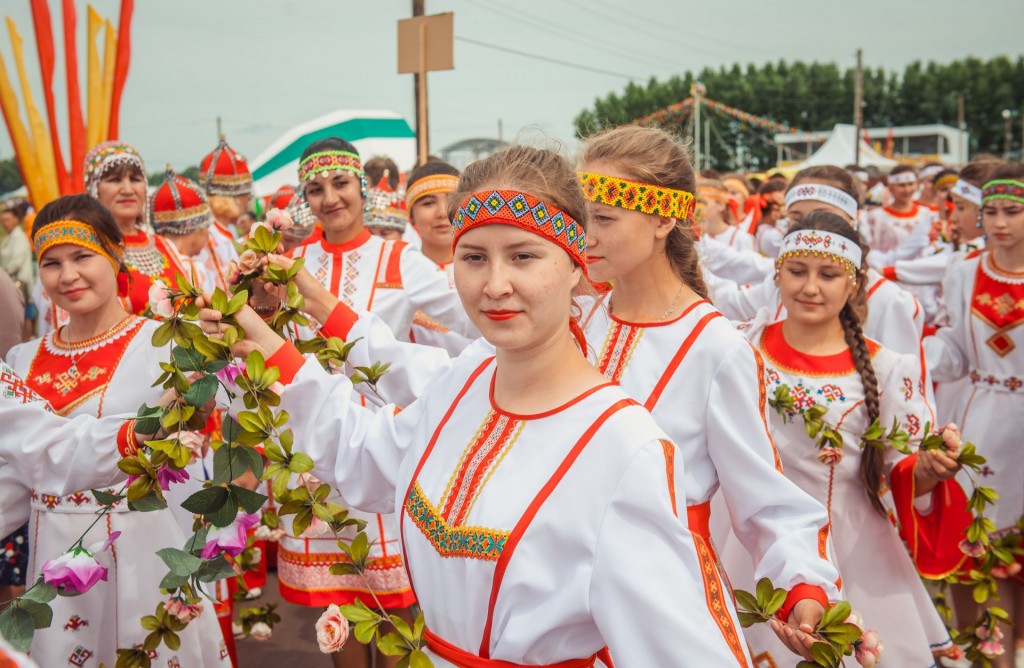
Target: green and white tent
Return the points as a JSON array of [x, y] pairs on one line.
[[372, 132]]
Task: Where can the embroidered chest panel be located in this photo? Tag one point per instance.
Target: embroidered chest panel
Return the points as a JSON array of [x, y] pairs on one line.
[[68, 376], [444, 525], [618, 348], [142, 255], [998, 301]]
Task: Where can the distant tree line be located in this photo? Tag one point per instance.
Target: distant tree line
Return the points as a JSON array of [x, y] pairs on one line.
[[816, 96]]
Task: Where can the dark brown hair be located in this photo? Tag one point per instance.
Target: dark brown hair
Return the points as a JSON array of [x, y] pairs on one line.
[[378, 167], [88, 210], [650, 155], [872, 461], [1013, 171]]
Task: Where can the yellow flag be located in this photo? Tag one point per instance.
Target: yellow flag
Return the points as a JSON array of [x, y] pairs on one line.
[[109, 58], [23, 148], [94, 82], [42, 144]]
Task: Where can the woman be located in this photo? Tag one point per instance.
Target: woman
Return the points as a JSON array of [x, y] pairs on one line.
[[426, 199], [984, 296], [716, 217], [539, 550], [367, 273], [818, 355], [901, 230], [101, 363]]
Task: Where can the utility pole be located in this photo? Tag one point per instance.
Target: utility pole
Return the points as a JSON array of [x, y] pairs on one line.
[[501, 133], [961, 124], [1007, 133], [696, 127], [220, 132], [707, 143], [858, 107], [420, 84]]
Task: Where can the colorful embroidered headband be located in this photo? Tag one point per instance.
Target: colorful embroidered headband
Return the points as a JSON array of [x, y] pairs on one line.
[[103, 157], [430, 185], [512, 207], [862, 176], [325, 162], [948, 179], [819, 243], [968, 191], [928, 172], [902, 177], [636, 196], [715, 194], [1003, 189], [820, 192], [73, 232]]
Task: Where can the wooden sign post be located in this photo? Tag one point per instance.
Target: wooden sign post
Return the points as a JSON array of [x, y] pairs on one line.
[[425, 44]]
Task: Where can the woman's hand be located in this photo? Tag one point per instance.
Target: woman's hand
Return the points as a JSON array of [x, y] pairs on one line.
[[803, 620], [936, 465], [258, 335], [319, 300]]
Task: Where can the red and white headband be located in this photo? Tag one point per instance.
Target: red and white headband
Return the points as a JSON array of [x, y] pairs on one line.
[[902, 177], [819, 243], [968, 191], [819, 192]]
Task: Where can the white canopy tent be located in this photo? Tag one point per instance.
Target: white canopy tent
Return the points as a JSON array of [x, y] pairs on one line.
[[838, 150], [372, 133]]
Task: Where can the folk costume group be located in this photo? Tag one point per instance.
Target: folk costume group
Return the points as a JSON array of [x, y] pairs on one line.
[[591, 431]]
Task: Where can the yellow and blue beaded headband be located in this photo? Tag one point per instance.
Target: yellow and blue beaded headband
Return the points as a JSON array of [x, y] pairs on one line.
[[72, 232], [637, 196], [819, 243]]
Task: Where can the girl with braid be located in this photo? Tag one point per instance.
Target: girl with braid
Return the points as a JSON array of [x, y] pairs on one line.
[[818, 355]]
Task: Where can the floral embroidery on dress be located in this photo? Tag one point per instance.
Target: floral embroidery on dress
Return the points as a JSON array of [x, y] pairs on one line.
[[908, 388], [913, 425], [80, 656], [75, 623]]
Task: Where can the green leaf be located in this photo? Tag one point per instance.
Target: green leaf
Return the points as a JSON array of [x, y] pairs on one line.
[[226, 514], [359, 549], [842, 634], [42, 614], [189, 359], [777, 601], [41, 592], [236, 302], [418, 659], [344, 568], [836, 614], [214, 569], [202, 391], [748, 619], [105, 498], [745, 600], [358, 612], [300, 463], [180, 563], [206, 501], [148, 503], [17, 628], [764, 592], [825, 654], [250, 501], [364, 631], [392, 645], [163, 334], [254, 366], [302, 520], [172, 581]]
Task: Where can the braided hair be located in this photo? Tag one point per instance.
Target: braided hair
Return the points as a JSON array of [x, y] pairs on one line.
[[852, 315]]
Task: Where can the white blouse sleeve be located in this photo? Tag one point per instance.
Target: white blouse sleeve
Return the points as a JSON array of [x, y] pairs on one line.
[[741, 302], [741, 266], [428, 290], [14, 499], [947, 352], [779, 525], [645, 592]]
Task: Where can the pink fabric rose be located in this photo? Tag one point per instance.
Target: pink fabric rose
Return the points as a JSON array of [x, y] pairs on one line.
[[76, 571], [331, 630], [248, 262], [830, 456], [233, 370], [991, 648], [234, 274], [191, 440], [262, 532], [279, 220], [230, 540], [868, 649], [160, 300], [167, 476], [951, 437], [184, 612], [975, 550], [260, 631], [855, 619]]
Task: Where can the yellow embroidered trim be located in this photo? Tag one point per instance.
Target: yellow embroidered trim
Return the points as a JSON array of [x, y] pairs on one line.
[[637, 196], [72, 232]]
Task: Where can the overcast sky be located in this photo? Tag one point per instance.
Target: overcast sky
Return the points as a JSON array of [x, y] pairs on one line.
[[267, 65]]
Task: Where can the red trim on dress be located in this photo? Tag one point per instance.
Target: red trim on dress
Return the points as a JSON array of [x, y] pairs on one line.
[[464, 659], [677, 359], [537, 416], [663, 323], [288, 360], [345, 246], [889, 273], [340, 322], [903, 214], [787, 358]]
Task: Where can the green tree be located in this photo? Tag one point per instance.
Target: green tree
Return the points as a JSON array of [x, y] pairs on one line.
[[156, 178], [10, 177]]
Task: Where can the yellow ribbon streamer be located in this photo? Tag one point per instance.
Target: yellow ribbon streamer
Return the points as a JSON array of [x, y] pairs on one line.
[[109, 57], [42, 144], [22, 142], [94, 81]]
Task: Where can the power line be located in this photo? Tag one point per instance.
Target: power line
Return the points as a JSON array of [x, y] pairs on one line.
[[526, 54]]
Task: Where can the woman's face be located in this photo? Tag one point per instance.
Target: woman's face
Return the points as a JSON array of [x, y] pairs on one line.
[[814, 289], [798, 210], [123, 192], [965, 218], [711, 208], [430, 216], [337, 202], [776, 206], [515, 285], [9, 220], [77, 279], [1003, 221], [903, 193], [619, 241]]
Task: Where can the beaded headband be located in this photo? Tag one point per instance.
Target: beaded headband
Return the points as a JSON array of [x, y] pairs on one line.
[[801, 243], [636, 196], [525, 211], [73, 232], [948, 179], [430, 185], [968, 191], [715, 194], [902, 177], [820, 192], [928, 172], [325, 162], [1003, 189]]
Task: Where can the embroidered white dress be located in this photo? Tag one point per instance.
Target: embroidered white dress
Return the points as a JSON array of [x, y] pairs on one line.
[[111, 375], [984, 343], [899, 235], [735, 237], [529, 539], [878, 576], [394, 282], [431, 332], [735, 265]]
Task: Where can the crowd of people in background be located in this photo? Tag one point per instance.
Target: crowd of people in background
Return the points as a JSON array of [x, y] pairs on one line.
[[633, 352]]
